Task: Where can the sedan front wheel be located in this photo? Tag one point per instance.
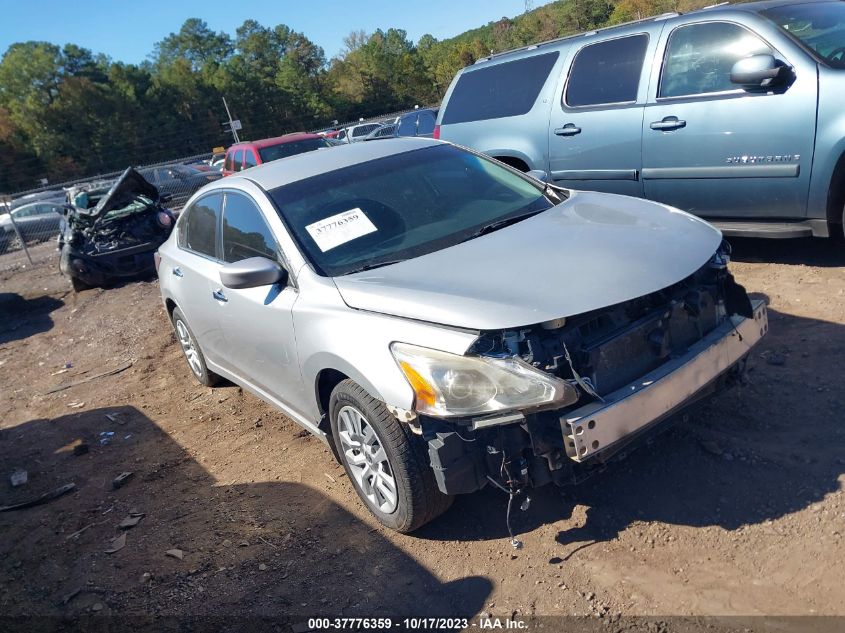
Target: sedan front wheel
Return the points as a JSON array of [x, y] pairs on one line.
[[387, 464]]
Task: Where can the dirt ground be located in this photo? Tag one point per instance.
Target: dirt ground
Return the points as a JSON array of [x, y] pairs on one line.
[[738, 509]]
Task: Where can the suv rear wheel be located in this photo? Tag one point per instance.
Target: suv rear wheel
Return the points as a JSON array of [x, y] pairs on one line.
[[387, 464]]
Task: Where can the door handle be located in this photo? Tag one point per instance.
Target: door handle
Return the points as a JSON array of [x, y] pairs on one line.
[[668, 123], [218, 294], [570, 129], [177, 272]]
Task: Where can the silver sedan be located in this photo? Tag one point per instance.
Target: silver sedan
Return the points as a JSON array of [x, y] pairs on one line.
[[444, 322]]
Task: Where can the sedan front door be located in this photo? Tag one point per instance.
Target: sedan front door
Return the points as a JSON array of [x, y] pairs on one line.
[[258, 322]]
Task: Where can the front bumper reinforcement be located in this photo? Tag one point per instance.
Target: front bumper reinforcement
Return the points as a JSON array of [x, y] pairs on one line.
[[594, 428]]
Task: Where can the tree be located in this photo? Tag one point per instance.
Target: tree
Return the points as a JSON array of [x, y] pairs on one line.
[[196, 44]]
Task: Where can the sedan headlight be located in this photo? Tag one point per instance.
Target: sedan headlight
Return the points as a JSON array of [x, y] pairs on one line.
[[448, 385]]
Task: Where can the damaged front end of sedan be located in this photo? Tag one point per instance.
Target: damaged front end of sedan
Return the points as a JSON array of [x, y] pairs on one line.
[[113, 234], [598, 381]]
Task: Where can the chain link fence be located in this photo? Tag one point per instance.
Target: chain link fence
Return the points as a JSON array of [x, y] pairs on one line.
[[31, 220]]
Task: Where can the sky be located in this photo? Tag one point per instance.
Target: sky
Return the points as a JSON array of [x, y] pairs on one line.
[[126, 30]]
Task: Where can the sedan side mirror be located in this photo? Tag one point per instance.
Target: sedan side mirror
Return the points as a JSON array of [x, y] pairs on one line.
[[759, 71], [252, 273]]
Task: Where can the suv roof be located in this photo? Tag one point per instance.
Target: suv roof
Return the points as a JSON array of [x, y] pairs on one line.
[[723, 7], [276, 140]]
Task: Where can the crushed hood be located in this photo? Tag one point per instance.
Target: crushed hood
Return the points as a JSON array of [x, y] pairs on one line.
[[122, 193], [591, 251]]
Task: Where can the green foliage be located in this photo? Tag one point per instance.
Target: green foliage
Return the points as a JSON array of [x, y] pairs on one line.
[[67, 112]]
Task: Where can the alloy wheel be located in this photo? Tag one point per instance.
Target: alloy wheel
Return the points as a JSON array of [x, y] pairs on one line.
[[367, 460], [188, 347]]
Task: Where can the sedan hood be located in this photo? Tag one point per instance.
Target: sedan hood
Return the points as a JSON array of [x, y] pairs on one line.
[[592, 251], [122, 193]]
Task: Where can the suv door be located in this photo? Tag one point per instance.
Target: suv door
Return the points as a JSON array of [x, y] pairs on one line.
[[595, 126], [258, 322], [716, 150], [196, 269]]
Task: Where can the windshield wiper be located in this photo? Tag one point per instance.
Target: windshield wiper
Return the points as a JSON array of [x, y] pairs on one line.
[[372, 265], [498, 224]]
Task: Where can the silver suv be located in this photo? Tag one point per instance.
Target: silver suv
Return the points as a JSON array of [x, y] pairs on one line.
[[444, 322]]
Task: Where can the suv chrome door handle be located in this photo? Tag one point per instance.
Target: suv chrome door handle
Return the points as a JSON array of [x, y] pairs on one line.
[[570, 129], [177, 272], [668, 123], [218, 294]]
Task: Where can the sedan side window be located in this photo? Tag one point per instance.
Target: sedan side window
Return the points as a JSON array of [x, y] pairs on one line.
[[198, 231], [699, 58], [245, 233], [607, 72]]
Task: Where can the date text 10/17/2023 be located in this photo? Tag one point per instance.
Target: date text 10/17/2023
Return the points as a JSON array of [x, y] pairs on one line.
[[420, 624]]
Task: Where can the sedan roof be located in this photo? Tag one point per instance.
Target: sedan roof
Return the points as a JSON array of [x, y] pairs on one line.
[[301, 166]]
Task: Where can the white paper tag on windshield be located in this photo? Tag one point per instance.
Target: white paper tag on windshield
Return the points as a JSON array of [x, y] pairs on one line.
[[339, 229]]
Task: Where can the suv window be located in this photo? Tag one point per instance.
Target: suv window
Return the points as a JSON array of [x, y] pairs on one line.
[[291, 148], [607, 72], [198, 231], [245, 233], [249, 159], [408, 125], [228, 163], [239, 160], [501, 90], [699, 57], [425, 124]]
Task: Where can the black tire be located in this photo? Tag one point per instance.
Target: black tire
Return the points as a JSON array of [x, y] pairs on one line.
[[198, 367], [418, 500]]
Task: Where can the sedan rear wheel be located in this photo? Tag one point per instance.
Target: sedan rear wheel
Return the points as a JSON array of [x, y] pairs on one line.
[[193, 353]]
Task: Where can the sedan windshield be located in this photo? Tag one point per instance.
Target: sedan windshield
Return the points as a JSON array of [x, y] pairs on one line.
[[402, 206], [819, 26], [283, 150]]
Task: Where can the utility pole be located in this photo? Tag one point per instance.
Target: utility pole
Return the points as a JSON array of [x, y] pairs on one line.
[[234, 126]]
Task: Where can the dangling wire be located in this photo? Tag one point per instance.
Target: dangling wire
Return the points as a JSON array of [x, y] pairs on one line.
[[515, 542], [582, 382]]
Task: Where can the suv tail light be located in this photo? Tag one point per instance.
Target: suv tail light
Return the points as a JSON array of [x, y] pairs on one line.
[[436, 132]]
